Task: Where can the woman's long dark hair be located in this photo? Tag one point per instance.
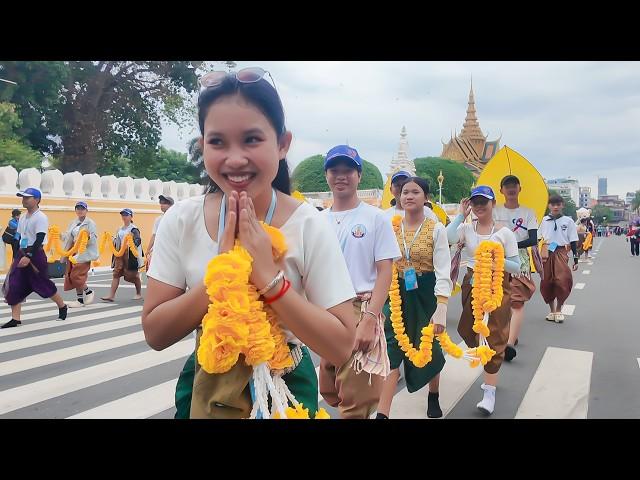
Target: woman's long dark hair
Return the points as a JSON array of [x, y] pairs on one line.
[[263, 96]]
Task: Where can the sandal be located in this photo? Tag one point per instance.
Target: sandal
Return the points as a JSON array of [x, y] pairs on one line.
[[551, 317], [106, 299], [559, 318]]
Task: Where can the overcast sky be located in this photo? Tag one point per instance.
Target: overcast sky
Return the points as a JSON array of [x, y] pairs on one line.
[[579, 119]]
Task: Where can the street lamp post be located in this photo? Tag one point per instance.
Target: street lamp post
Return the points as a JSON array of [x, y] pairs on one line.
[[440, 181]]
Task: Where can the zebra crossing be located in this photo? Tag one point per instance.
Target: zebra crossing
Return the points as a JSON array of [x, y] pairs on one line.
[[97, 364]]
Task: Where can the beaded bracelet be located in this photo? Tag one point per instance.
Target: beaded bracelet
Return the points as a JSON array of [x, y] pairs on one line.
[[285, 286]]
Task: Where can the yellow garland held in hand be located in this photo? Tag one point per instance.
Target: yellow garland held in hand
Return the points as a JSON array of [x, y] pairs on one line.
[[54, 243], [423, 354]]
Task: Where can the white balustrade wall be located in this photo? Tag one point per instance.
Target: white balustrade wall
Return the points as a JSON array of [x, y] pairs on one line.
[[53, 183]]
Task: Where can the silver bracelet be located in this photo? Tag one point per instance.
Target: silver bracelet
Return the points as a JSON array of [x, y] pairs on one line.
[[272, 283]]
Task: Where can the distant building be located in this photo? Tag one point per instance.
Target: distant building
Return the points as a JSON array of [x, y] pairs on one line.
[[567, 187], [617, 206], [585, 197], [602, 186], [629, 197], [471, 147]]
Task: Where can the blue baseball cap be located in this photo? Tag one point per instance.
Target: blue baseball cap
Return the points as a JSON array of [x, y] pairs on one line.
[[82, 205], [126, 211], [399, 174], [483, 191], [342, 151], [30, 192]]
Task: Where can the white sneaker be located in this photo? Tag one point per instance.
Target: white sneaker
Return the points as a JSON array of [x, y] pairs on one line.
[[488, 402], [75, 304], [88, 299]]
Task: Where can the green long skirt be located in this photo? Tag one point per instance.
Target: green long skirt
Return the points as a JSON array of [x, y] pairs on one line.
[[302, 382], [417, 308]]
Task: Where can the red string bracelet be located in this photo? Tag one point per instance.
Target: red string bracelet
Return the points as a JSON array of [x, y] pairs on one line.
[[285, 286]]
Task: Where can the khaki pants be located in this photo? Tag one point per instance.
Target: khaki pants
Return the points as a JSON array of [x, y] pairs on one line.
[[354, 395]]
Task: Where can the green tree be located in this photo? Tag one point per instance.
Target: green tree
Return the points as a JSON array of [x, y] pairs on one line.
[[308, 176], [600, 212], [14, 151], [197, 160], [569, 208], [172, 165], [635, 203], [104, 108], [457, 178]]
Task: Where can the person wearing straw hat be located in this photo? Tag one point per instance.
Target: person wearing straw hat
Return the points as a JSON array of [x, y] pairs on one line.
[[28, 272], [77, 273], [484, 228]]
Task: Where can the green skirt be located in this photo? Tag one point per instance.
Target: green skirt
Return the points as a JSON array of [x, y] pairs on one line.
[[417, 308], [302, 382]]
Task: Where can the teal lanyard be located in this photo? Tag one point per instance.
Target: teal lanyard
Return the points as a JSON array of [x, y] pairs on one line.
[[407, 250], [223, 214]]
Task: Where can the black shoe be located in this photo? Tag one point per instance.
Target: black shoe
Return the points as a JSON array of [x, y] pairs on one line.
[[11, 323], [81, 300], [509, 353], [62, 313], [381, 416], [433, 406]]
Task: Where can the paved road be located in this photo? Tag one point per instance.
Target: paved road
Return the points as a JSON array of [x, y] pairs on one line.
[[97, 364]]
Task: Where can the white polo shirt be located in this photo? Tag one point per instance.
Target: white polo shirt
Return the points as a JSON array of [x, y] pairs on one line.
[[563, 235], [365, 236]]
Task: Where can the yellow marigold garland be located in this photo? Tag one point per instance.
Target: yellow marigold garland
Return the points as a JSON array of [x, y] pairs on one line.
[[54, 243], [396, 220], [423, 354]]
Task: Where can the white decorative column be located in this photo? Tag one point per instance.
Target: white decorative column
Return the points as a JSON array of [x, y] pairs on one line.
[[52, 183], [170, 188], [125, 188], [141, 189], [29, 177], [72, 184], [183, 190], [155, 189], [109, 187], [91, 185], [195, 190], [8, 179]]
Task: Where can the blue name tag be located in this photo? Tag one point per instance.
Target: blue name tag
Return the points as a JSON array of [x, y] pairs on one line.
[[553, 246], [410, 279], [24, 242]]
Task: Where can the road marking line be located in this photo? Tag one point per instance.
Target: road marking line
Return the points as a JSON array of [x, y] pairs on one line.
[[70, 320], [143, 404], [63, 354], [36, 392], [568, 309], [54, 313], [586, 272], [68, 334], [579, 286], [560, 386]]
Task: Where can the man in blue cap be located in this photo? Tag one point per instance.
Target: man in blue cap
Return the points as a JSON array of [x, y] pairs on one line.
[[29, 272], [398, 179], [369, 247], [77, 273]]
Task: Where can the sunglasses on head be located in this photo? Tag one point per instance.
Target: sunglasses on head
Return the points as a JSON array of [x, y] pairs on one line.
[[246, 75]]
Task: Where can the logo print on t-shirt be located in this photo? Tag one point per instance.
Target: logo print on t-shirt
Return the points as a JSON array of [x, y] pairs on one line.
[[564, 227], [359, 231]]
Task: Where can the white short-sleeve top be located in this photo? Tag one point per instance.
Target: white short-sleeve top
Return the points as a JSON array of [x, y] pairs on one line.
[[471, 240], [313, 263]]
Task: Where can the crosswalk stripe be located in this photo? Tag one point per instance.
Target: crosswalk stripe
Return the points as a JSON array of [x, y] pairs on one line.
[[63, 354], [29, 307], [68, 334], [30, 301], [579, 286], [53, 313], [144, 404], [103, 285], [568, 309], [36, 392], [560, 386], [71, 320], [455, 380], [586, 272]]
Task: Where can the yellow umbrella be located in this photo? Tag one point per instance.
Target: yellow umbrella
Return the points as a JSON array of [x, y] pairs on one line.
[[509, 162]]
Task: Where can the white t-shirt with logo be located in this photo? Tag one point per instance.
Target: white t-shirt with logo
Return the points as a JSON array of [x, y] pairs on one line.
[[428, 213], [313, 262], [467, 235], [365, 236], [563, 235], [520, 220], [30, 225]]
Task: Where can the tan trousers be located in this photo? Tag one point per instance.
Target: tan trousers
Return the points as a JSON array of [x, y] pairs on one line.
[[354, 395]]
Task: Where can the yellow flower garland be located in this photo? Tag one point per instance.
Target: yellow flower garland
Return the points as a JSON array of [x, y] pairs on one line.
[[54, 243], [421, 356]]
